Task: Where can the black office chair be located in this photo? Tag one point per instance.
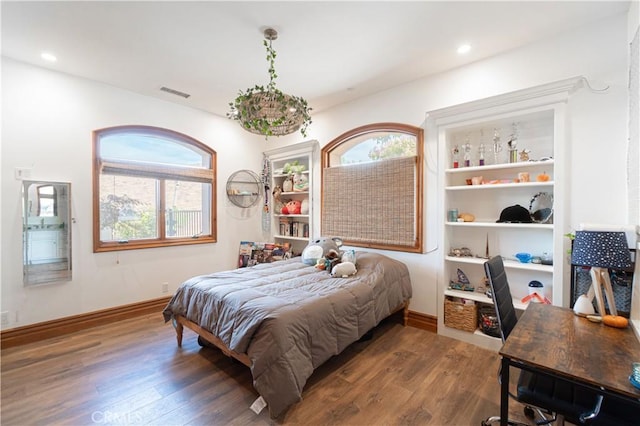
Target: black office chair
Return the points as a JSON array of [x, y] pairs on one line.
[[541, 394]]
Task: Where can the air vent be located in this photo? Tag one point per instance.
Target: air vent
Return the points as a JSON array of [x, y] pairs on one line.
[[175, 92]]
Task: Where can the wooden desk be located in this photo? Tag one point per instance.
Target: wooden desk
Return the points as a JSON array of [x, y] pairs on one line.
[[554, 340]]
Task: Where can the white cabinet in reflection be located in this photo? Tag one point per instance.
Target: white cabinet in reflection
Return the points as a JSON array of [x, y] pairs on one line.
[[46, 246]]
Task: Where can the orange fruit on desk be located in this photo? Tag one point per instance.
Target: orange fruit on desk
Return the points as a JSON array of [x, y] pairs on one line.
[[616, 321], [543, 177]]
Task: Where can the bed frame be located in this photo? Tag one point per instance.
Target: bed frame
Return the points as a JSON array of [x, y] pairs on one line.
[[179, 322]]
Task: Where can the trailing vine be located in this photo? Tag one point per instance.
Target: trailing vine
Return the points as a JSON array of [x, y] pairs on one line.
[[267, 110]]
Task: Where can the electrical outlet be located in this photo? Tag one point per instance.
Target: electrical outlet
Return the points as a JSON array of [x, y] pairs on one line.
[[5, 318], [165, 287]]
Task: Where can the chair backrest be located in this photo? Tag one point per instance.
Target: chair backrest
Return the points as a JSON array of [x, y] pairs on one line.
[[494, 268]]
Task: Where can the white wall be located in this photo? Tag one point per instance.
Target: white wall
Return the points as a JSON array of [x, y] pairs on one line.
[[634, 149], [48, 119], [47, 124], [599, 130]]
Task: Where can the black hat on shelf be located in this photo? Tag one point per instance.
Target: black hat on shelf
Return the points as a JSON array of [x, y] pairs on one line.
[[515, 214]]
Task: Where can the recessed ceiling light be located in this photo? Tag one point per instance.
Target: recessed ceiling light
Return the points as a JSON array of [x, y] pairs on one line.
[[464, 48], [49, 57]]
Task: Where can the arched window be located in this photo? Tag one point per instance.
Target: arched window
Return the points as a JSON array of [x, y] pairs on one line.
[[372, 187], [152, 187]]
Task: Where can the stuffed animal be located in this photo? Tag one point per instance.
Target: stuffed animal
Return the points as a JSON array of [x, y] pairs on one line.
[[292, 207], [349, 256], [320, 264], [321, 248], [343, 270], [293, 167], [277, 198], [300, 182], [304, 206], [329, 261], [287, 185]]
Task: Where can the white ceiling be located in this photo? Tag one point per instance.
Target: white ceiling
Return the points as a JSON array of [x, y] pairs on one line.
[[328, 52]]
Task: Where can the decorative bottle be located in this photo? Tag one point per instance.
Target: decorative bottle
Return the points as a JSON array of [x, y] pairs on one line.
[[497, 146], [467, 153], [455, 154], [513, 144]]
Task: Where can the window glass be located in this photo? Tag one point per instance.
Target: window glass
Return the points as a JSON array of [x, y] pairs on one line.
[[374, 146], [186, 206], [136, 146], [128, 206], [152, 187], [47, 201]]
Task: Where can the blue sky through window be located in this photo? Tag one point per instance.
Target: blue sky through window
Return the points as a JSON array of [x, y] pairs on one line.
[[359, 153], [148, 148]]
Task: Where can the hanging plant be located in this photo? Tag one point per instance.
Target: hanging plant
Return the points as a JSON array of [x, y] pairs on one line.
[[266, 110]]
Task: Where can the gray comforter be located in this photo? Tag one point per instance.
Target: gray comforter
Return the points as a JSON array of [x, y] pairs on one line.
[[289, 318]]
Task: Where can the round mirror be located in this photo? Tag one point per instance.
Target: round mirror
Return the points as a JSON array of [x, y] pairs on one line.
[[541, 207], [243, 188]]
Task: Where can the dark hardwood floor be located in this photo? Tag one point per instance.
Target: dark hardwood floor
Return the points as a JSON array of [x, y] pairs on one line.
[[132, 372]]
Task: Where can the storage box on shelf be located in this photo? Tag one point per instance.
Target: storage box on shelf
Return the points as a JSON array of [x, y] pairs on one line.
[[479, 182]]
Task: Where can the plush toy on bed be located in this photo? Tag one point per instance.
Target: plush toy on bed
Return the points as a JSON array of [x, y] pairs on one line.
[[343, 270], [328, 261], [349, 256], [319, 248]]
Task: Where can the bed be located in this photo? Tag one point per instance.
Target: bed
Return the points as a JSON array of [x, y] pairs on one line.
[[284, 319]]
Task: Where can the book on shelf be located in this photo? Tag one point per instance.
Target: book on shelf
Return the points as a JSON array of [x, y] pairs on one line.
[[291, 228]]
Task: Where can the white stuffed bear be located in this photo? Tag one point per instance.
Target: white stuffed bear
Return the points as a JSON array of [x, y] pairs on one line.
[[343, 270]]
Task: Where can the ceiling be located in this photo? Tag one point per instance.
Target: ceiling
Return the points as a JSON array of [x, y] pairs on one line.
[[327, 52]]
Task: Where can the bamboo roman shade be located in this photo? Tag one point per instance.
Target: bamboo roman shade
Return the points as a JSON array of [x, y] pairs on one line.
[[371, 203]]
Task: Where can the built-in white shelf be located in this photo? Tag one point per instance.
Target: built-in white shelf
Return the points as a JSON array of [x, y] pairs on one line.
[[287, 237], [504, 166], [490, 186], [482, 224], [538, 118], [508, 263], [294, 193], [283, 175], [301, 154], [481, 298]]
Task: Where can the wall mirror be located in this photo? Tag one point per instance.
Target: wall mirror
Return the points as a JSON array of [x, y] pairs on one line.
[[46, 232]]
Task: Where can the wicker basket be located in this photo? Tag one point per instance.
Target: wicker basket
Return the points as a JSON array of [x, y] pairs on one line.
[[460, 316]]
